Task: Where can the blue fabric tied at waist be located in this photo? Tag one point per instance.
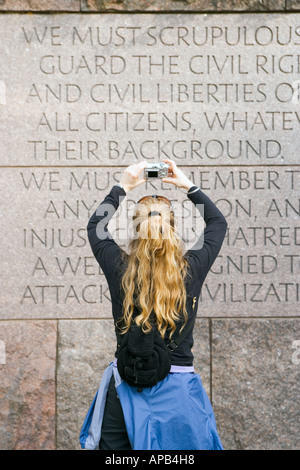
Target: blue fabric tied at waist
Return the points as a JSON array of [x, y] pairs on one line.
[[175, 414]]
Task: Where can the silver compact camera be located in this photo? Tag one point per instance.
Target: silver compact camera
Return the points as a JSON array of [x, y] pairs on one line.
[[156, 170]]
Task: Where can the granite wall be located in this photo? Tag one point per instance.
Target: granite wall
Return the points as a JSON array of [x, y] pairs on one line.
[[213, 85]]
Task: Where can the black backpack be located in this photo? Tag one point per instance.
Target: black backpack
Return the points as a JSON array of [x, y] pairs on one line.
[[144, 359]]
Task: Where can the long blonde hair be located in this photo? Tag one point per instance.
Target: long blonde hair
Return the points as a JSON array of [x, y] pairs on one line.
[[154, 277]]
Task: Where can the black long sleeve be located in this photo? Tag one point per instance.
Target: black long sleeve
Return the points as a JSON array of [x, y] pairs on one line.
[[207, 247], [103, 246], [200, 257], [204, 251]]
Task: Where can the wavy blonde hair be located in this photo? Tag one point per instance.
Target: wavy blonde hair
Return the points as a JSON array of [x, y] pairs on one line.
[[154, 277]]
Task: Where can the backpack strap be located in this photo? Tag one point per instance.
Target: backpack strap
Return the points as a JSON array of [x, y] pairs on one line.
[[174, 343], [119, 337]]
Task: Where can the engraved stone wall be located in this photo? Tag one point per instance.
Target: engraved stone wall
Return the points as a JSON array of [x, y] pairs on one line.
[[82, 97]]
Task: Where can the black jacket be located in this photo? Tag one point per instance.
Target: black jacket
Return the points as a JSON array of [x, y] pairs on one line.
[[200, 258]]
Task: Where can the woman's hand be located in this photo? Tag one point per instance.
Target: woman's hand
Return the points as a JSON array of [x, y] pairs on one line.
[[130, 178], [176, 176]]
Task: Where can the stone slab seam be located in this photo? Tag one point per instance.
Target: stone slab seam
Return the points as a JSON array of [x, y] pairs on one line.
[[289, 6]]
